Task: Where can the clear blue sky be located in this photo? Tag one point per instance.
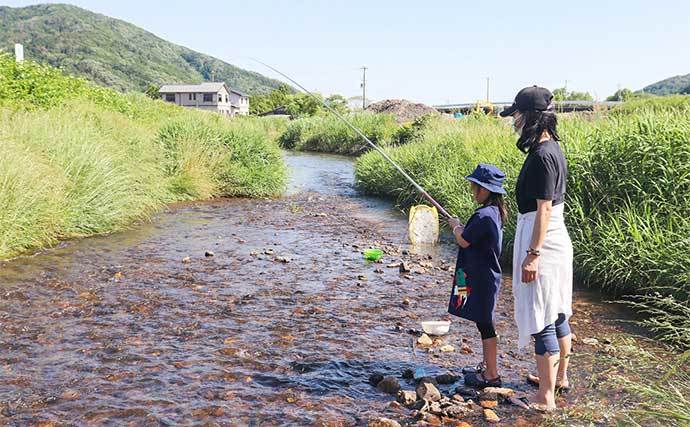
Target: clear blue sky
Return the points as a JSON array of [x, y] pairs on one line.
[[435, 52]]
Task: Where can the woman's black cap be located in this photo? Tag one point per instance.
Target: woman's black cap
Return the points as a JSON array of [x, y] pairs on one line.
[[532, 98]]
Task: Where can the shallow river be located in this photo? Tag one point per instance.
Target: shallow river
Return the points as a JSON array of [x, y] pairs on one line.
[[141, 328]]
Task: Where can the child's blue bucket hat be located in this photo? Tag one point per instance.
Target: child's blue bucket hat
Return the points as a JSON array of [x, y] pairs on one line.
[[489, 177]]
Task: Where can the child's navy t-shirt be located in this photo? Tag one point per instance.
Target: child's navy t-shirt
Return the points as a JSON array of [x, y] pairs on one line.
[[480, 262]]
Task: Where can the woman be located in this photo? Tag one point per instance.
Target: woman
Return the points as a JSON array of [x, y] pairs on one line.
[[543, 253]]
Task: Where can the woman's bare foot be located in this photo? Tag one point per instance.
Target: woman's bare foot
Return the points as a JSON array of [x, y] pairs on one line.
[[541, 404], [560, 384]]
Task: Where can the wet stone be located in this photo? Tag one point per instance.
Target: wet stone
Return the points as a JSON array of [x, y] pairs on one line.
[[209, 254], [447, 378], [408, 374], [375, 378], [404, 267], [389, 384]]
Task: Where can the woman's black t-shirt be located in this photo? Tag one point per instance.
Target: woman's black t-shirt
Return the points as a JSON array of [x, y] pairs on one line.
[[542, 177]]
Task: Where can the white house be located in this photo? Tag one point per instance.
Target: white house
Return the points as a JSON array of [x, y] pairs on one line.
[[211, 96]]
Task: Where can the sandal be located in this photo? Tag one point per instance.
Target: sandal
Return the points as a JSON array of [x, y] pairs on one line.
[[478, 380], [478, 369]]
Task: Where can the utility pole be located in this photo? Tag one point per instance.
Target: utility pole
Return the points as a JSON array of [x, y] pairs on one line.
[[364, 88], [565, 88], [487, 90]]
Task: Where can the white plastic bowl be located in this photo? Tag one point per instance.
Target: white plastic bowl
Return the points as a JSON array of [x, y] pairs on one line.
[[436, 327]]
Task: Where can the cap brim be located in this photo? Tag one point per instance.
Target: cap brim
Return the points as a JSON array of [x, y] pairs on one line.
[[492, 188], [509, 111]]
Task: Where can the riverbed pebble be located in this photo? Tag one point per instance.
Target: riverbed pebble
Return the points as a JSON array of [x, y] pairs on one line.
[[491, 416], [425, 340], [383, 422]]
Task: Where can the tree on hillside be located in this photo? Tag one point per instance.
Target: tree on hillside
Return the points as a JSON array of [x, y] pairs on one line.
[[561, 94], [152, 92]]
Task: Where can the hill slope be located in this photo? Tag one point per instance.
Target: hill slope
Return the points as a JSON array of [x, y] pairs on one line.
[[670, 86], [112, 52]]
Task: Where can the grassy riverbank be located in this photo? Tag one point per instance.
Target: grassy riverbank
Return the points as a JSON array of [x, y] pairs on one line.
[[78, 159], [627, 210]]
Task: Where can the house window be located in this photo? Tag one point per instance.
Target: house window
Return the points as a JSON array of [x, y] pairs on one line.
[[192, 96], [170, 97], [208, 97], [220, 97]]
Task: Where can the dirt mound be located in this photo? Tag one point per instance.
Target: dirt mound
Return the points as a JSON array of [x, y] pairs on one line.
[[403, 110]]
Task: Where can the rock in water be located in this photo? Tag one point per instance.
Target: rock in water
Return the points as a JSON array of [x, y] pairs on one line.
[[406, 397], [404, 267], [447, 378], [425, 340], [447, 348], [491, 416], [186, 260], [209, 254], [383, 422], [375, 379], [389, 384], [428, 391]]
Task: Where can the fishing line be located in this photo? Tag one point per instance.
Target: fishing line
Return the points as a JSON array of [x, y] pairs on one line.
[[361, 134]]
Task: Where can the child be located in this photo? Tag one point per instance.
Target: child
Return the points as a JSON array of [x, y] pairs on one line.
[[477, 271]]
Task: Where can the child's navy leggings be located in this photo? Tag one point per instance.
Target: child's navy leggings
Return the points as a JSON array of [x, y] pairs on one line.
[[486, 330], [546, 341]]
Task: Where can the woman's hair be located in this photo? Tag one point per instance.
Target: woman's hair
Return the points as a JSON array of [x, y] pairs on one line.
[[535, 123], [496, 199]]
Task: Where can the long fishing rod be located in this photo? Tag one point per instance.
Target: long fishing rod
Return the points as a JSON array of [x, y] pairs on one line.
[[360, 133]]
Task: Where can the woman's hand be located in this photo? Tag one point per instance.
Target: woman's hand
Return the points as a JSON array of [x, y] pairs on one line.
[[529, 268]]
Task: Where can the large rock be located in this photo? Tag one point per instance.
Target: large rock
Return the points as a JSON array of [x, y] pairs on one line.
[[383, 422], [428, 391], [389, 384]]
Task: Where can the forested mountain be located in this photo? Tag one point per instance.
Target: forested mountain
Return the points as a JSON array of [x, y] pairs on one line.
[[670, 86], [112, 52]]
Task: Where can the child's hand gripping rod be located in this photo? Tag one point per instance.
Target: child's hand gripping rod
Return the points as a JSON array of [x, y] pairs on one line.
[[364, 137]]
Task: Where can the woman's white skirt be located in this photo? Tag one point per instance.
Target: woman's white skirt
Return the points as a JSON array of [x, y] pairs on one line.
[[538, 303]]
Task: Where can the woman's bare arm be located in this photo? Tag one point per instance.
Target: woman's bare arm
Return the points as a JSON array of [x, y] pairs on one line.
[[541, 224]]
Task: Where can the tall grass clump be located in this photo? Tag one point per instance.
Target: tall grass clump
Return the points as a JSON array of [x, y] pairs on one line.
[[78, 159], [327, 133]]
